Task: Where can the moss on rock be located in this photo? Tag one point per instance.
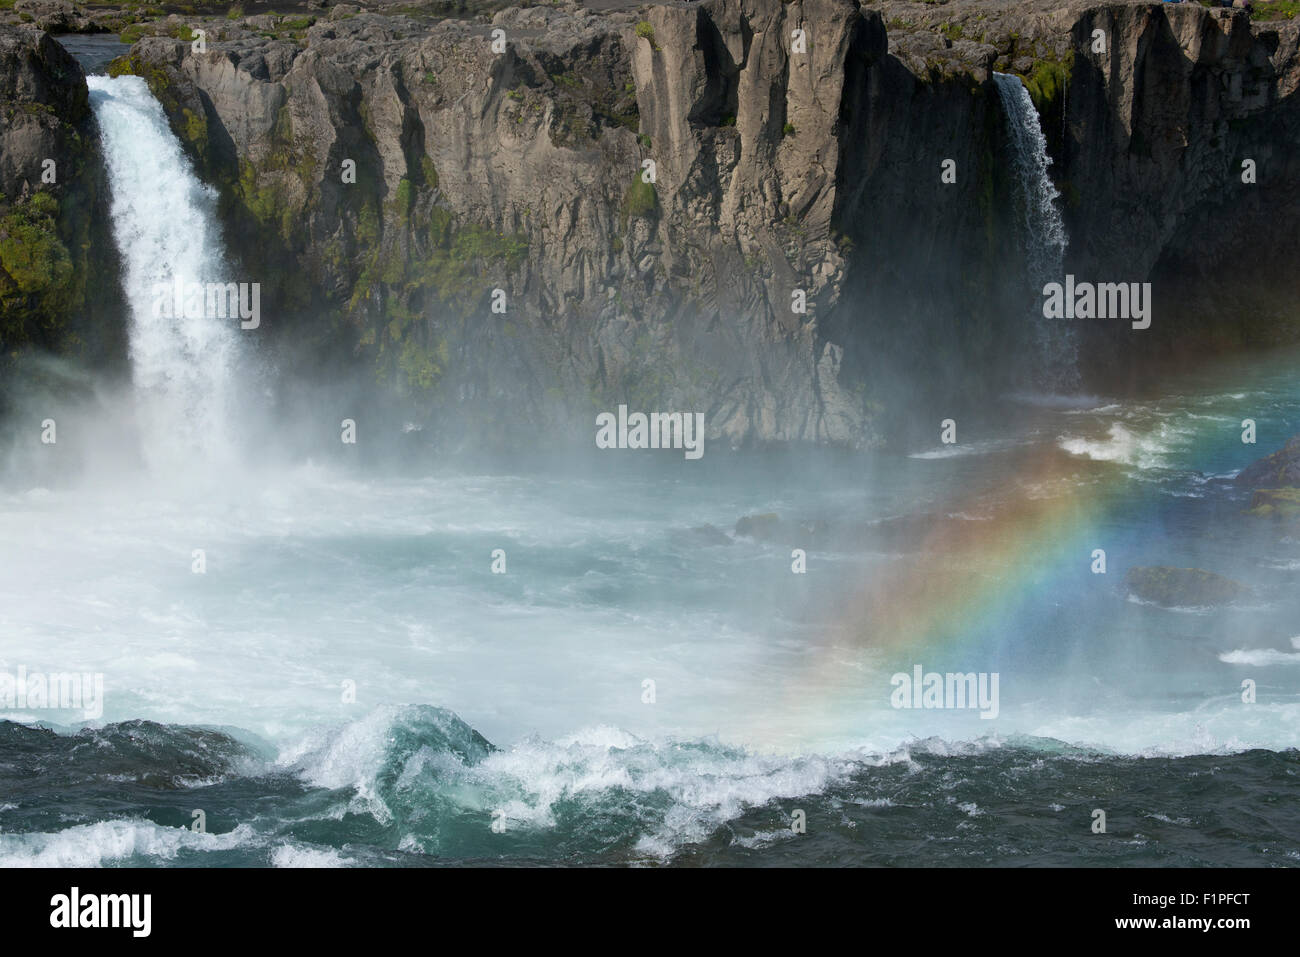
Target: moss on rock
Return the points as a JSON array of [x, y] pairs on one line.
[[1275, 503]]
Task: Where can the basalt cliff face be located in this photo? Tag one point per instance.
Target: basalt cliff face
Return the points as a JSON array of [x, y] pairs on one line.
[[788, 169], [58, 265]]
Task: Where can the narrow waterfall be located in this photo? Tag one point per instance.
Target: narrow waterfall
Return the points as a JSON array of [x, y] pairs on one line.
[[1042, 229], [182, 351]]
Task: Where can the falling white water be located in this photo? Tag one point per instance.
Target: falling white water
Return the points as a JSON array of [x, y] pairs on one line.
[[1043, 229], [164, 222]]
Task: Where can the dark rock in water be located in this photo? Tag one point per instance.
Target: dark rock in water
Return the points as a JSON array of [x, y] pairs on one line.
[[701, 535], [900, 533], [711, 535], [763, 528], [1183, 587], [1276, 503], [1280, 469], [770, 527]]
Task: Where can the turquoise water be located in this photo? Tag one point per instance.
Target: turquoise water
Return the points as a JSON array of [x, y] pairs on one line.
[[520, 698]]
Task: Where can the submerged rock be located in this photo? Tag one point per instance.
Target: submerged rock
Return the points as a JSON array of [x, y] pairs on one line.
[[1276, 503], [1183, 587], [702, 535], [763, 528]]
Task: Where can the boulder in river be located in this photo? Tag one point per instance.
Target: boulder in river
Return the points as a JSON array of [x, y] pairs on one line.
[[1183, 587]]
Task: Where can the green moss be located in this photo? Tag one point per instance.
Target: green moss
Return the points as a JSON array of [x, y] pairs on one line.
[[195, 131], [788, 129], [422, 366], [44, 271], [367, 231], [1047, 83], [31, 252], [639, 200], [645, 29], [267, 204], [132, 32], [429, 171], [403, 198]]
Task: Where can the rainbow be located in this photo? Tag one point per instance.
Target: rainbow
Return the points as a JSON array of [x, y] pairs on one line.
[[963, 576]]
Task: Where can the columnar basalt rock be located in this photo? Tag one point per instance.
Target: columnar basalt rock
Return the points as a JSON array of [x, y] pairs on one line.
[[675, 294], [787, 168]]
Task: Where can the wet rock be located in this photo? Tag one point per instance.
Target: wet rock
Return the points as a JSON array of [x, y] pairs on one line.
[[1279, 470], [1276, 503], [1183, 587]]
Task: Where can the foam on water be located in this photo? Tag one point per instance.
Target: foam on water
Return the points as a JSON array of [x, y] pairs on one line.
[[1141, 450], [1263, 657], [111, 842]]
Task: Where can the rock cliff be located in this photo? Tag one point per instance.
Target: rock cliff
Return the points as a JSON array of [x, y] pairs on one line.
[[58, 265], [790, 168]]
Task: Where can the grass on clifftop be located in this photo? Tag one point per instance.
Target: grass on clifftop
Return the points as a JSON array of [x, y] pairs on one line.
[[1276, 10]]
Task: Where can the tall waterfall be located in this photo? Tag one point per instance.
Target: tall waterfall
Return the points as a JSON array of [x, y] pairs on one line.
[[165, 226], [1042, 228]]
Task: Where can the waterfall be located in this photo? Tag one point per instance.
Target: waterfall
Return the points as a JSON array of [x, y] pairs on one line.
[[164, 222], [1042, 229]]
